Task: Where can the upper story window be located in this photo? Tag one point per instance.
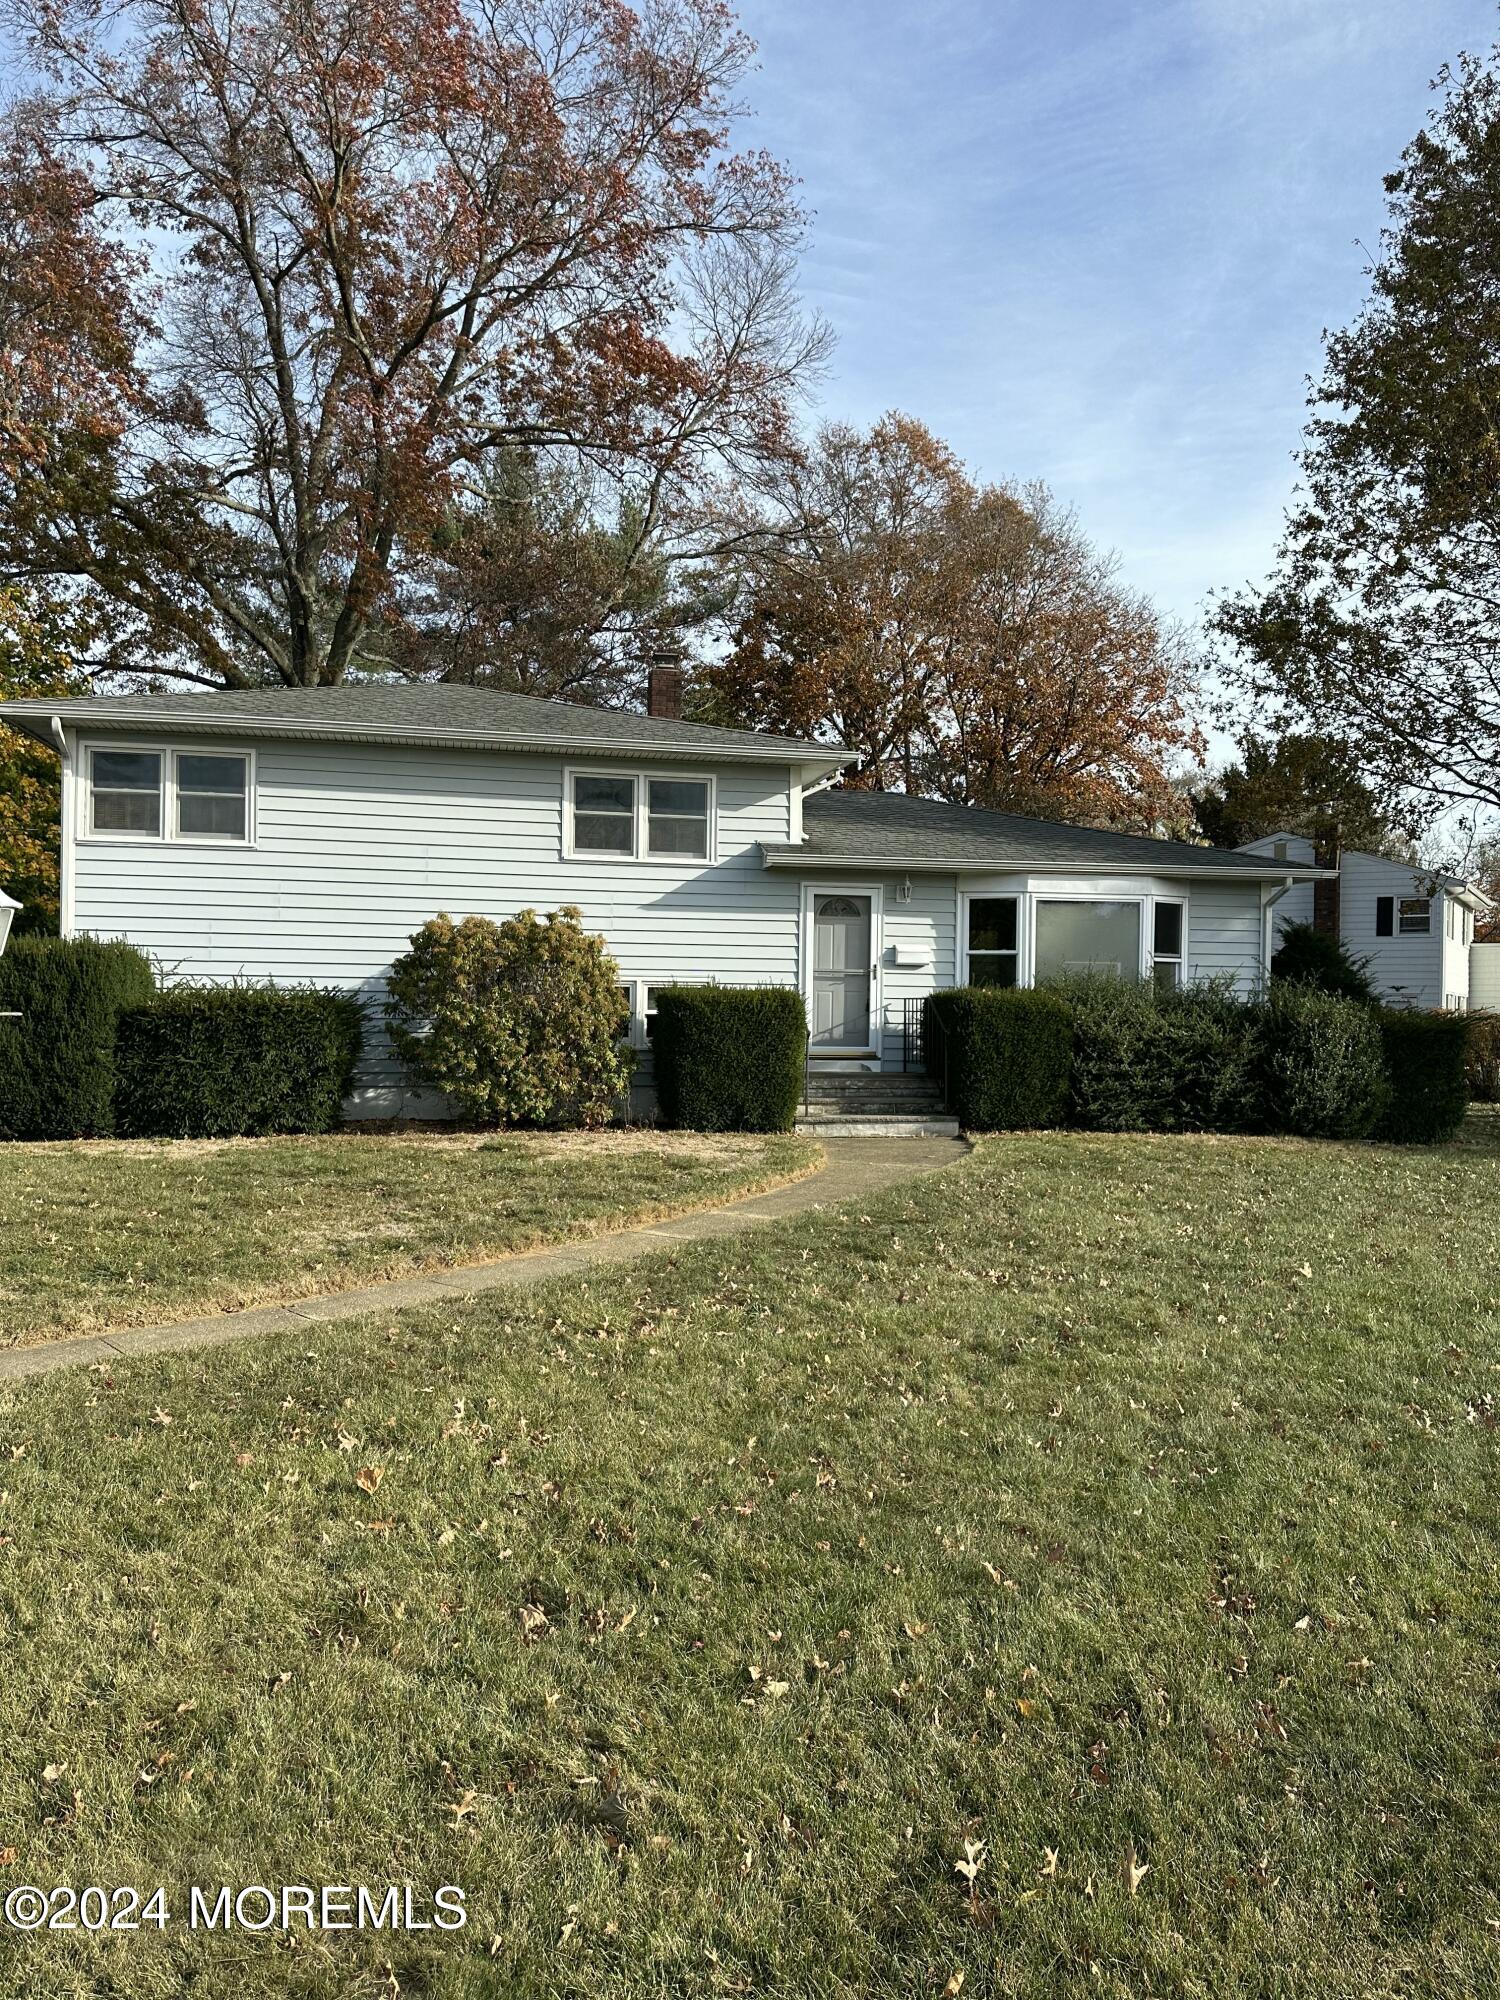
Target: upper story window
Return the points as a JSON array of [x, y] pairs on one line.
[[125, 788], [1414, 916], [212, 797], [624, 816], [138, 794], [677, 816]]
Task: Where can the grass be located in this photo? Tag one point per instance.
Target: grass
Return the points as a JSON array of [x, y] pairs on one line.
[[134, 1232], [1117, 1517]]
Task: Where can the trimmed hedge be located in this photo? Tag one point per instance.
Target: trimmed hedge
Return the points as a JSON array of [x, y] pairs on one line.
[[57, 1063], [1324, 1065], [1003, 1054], [1426, 1060], [220, 1062], [730, 1058]]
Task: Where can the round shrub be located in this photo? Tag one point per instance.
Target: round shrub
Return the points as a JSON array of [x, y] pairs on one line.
[[1324, 1065], [1307, 956], [518, 1023]]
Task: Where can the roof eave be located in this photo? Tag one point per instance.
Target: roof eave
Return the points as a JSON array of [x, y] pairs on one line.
[[36, 720], [801, 857]]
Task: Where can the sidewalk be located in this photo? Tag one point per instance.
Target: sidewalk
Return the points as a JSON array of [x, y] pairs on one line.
[[854, 1167]]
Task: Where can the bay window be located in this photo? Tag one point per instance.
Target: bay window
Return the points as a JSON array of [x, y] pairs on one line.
[[1166, 946]]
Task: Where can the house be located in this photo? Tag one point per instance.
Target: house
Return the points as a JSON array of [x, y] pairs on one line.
[[1413, 926], [304, 834]]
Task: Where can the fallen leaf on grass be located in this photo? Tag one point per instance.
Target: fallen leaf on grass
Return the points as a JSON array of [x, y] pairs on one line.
[[368, 1478]]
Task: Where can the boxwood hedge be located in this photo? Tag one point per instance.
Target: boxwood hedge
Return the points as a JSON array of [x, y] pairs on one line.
[[1002, 1055]]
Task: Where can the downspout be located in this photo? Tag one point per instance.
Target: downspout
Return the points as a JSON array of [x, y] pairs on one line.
[[1267, 904], [65, 831]]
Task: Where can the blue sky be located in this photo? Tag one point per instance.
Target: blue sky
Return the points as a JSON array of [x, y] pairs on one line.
[[1097, 241]]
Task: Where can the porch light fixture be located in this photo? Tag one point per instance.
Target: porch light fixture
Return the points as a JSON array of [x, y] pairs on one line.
[[903, 894], [8, 908]]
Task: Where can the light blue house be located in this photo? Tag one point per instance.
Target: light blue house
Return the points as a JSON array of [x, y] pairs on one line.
[[304, 834]]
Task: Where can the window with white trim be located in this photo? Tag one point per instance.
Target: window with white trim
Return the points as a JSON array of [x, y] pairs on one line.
[[603, 814], [677, 817], [125, 792], [1168, 923], [648, 1013], [1414, 916], [629, 816], [213, 796], [994, 938]]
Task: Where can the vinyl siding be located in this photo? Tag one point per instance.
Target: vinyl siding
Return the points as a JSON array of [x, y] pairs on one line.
[[1405, 970], [1296, 906], [1224, 934], [925, 928], [356, 846]]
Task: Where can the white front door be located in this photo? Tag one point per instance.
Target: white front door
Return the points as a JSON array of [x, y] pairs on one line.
[[843, 926]]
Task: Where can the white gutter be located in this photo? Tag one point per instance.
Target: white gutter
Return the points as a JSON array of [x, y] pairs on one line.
[[1268, 903], [65, 829]]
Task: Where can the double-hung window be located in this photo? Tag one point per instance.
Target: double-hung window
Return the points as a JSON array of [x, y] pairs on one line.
[[213, 796], [1166, 946], [994, 940], [136, 794], [125, 792], [1414, 916], [621, 816]]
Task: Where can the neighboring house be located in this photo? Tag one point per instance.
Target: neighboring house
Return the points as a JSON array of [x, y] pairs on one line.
[[1414, 926], [304, 834]]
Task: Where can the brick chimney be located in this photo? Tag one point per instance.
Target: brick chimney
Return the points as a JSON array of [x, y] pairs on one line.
[[664, 685], [1326, 854]]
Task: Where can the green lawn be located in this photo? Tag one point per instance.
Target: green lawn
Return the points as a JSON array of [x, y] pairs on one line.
[[1120, 1517], [117, 1233]]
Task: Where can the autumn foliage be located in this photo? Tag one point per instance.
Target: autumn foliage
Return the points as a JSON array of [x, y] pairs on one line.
[[966, 640], [381, 243]]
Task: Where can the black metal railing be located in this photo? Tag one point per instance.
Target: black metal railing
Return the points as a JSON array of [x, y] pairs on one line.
[[913, 1036]]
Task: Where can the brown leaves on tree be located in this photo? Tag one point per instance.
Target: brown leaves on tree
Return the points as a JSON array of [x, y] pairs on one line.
[[966, 640]]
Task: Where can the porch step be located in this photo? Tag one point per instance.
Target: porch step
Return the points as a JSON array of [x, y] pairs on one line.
[[819, 1122]]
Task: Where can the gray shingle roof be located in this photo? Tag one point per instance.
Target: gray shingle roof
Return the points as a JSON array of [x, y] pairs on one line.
[[888, 827], [426, 712]]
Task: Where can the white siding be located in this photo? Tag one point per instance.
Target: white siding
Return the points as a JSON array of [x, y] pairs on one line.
[[357, 845], [1296, 906], [923, 929], [1405, 970], [1225, 934], [1484, 977]]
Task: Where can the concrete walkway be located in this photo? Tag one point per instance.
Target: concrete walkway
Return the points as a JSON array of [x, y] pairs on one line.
[[854, 1168]]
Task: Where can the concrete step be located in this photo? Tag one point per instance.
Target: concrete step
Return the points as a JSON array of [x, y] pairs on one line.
[[816, 1124]]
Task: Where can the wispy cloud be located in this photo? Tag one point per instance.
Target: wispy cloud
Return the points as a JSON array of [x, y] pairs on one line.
[[1098, 240]]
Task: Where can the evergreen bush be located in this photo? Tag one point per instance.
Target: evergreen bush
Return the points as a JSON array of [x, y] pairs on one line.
[[209, 1062], [730, 1058], [57, 1061], [1003, 1055]]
